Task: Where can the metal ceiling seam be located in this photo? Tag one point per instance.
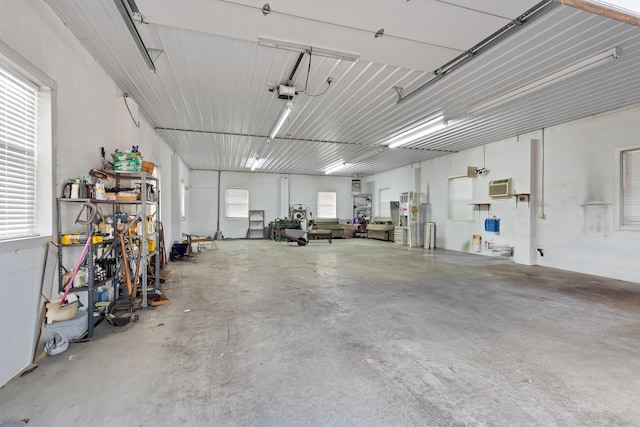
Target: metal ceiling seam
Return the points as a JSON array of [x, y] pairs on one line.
[[325, 103], [365, 67], [377, 107], [576, 115], [380, 116], [358, 107], [161, 89], [333, 109]]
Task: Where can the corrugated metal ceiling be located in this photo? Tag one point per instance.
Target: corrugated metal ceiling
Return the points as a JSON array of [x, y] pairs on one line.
[[210, 96]]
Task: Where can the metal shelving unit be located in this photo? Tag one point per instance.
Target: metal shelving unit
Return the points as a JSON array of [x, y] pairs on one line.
[[139, 211], [362, 207], [148, 205], [256, 224]]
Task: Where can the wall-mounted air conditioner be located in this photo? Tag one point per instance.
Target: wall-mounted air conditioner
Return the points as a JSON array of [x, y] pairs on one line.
[[500, 188]]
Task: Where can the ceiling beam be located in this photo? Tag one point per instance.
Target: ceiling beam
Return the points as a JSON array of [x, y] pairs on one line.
[[249, 135], [600, 9]]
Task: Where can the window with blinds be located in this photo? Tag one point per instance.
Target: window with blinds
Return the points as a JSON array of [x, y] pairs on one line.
[[18, 113], [630, 169], [236, 203], [327, 204]]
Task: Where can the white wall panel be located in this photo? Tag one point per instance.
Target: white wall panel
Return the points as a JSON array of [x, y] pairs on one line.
[[180, 225], [84, 121], [578, 232], [305, 188], [203, 202], [155, 150], [264, 194]]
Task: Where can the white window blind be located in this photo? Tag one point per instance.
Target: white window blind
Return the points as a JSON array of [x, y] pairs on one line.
[[18, 106], [236, 203], [631, 188], [327, 204], [460, 197]]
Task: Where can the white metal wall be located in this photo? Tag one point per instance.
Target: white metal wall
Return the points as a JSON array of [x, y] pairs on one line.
[[84, 121], [265, 193]]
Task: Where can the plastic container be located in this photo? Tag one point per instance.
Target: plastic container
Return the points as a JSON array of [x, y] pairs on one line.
[[71, 329], [75, 189], [152, 245], [82, 278], [66, 192], [57, 312]]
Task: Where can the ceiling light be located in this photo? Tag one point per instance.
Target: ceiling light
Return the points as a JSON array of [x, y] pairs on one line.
[[417, 132], [266, 9], [283, 117], [570, 71], [379, 33], [131, 26], [336, 168], [295, 47], [257, 163]]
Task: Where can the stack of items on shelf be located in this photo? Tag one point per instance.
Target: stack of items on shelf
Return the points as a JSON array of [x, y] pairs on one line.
[[127, 161], [131, 161], [83, 188], [115, 242]]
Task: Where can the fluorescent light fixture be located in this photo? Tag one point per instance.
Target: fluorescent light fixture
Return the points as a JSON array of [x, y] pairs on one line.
[[257, 163], [283, 117], [570, 71], [131, 26], [295, 47], [336, 168], [418, 132]]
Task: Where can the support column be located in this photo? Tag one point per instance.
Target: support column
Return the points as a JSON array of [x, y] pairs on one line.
[[284, 196], [524, 185]]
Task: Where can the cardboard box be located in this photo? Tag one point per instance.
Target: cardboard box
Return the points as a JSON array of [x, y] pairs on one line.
[[127, 197], [148, 167], [130, 165], [125, 155]]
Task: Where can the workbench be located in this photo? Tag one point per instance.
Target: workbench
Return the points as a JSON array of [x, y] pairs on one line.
[[199, 239], [319, 234]]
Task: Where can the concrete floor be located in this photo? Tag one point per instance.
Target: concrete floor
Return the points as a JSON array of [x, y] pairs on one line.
[[358, 333]]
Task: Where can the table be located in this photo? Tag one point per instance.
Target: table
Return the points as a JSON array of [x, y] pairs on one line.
[[319, 234]]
